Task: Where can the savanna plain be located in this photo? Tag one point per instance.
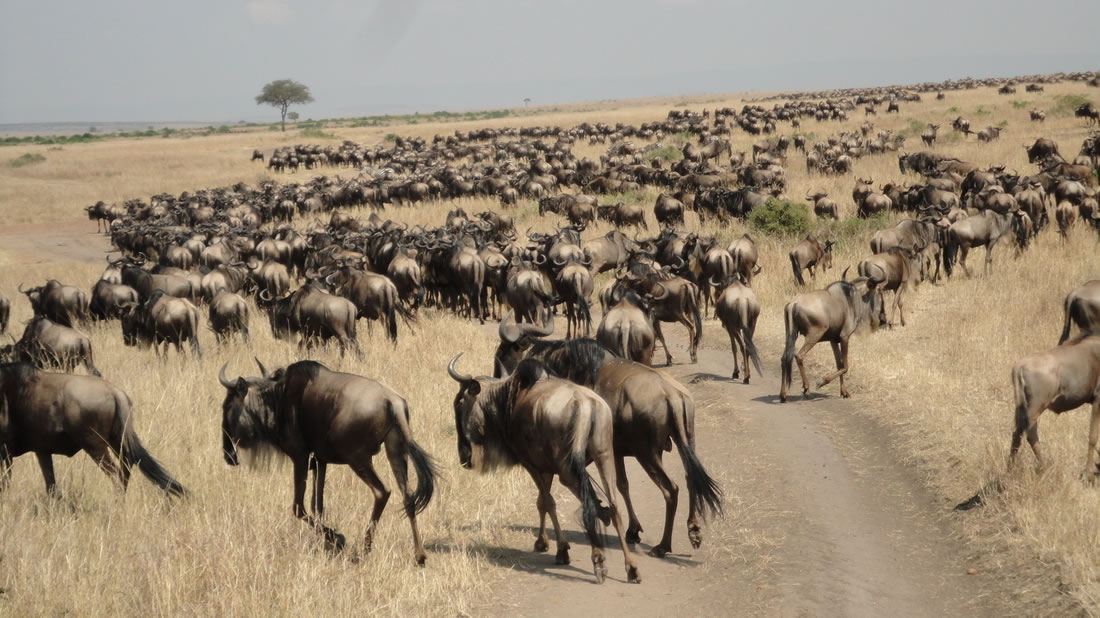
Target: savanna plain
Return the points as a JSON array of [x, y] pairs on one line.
[[931, 403]]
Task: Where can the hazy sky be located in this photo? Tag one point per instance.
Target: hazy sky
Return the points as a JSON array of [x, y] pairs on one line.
[[205, 60]]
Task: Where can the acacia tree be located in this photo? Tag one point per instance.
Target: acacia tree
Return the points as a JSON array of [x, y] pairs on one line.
[[282, 93]]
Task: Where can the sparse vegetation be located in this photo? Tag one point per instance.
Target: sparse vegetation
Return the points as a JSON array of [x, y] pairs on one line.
[[1020, 104], [983, 110], [1065, 104], [29, 158], [666, 153], [780, 218], [317, 133]]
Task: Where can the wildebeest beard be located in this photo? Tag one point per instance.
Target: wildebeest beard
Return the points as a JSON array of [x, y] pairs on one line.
[[261, 423]]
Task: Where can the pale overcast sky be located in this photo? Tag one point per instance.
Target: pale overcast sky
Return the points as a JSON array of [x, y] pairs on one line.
[[205, 60]]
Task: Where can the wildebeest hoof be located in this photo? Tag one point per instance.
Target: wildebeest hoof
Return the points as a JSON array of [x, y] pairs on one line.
[[421, 559], [334, 541], [604, 513], [845, 394], [736, 374], [659, 551], [541, 545], [632, 575], [695, 535], [746, 380], [599, 569], [563, 556], [632, 536]]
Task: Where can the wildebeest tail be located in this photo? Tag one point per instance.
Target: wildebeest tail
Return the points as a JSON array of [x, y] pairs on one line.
[[133, 452], [1068, 308], [624, 341], [746, 334], [576, 465], [703, 491], [787, 360], [950, 248], [797, 271], [425, 467], [693, 299], [586, 313], [89, 360]]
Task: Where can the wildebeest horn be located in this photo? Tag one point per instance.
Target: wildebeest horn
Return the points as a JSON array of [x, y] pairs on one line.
[[328, 279], [664, 293], [263, 371], [456, 376], [561, 263], [539, 255], [221, 378], [263, 292], [844, 275], [508, 332], [756, 271], [21, 290], [714, 283]]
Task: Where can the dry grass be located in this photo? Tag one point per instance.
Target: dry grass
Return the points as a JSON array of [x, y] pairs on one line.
[[234, 548]]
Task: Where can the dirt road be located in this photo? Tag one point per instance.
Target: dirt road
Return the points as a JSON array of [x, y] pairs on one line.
[[821, 520], [75, 240]]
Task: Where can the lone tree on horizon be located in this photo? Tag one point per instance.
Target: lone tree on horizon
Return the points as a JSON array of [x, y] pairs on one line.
[[283, 93]]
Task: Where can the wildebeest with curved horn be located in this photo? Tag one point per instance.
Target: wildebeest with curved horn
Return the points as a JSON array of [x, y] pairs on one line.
[[984, 229], [897, 269], [737, 308], [46, 344], [627, 328], [109, 299], [228, 314], [1082, 307], [832, 315], [61, 414], [314, 314], [64, 304], [808, 254], [162, 319], [551, 427], [652, 411], [1060, 379], [308, 412], [576, 360]]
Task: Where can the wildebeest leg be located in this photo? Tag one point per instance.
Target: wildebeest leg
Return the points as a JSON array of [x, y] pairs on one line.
[[101, 454], [333, 539], [1094, 435], [651, 463], [735, 341], [606, 467], [840, 354], [692, 345], [811, 340], [45, 462], [963, 250], [634, 527], [989, 256], [318, 501], [395, 452], [661, 338], [365, 469], [897, 303], [547, 506], [195, 351], [5, 467]]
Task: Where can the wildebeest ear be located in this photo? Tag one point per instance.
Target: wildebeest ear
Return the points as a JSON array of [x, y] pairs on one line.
[[473, 388]]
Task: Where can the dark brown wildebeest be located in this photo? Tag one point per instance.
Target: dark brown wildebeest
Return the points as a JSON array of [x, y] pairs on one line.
[[668, 210], [897, 269], [228, 315], [1082, 307], [573, 285], [832, 315], [1065, 213], [717, 265], [46, 344], [551, 427], [64, 304], [737, 308], [674, 300], [745, 257], [928, 136], [627, 328], [808, 254], [60, 414], [318, 417], [823, 206], [108, 300], [146, 283], [528, 293], [621, 215], [256, 154], [989, 134], [1042, 149], [375, 297], [608, 251], [1088, 112], [314, 314], [162, 319], [960, 124], [1037, 115], [981, 230], [1060, 379], [652, 411]]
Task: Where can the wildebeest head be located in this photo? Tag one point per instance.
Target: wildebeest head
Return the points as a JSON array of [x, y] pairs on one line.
[[864, 295], [247, 411], [514, 341]]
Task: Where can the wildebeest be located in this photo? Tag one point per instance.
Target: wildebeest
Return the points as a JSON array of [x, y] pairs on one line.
[[1082, 307], [64, 304], [61, 414], [668, 210], [375, 297], [551, 427], [573, 284], [47, 344], [808, 254], [1060, 379], [622, 215], [981, 230], [627, 328], [576, 360], [228, 314], [318, 417], [109, 299], [824, 207], [928, 136], [1042, 149], [896, 269], [832, 315], [314, 314], [1088, 112], [651, 411], [5, 313], [162, 319], [736, 306], [745, 256]]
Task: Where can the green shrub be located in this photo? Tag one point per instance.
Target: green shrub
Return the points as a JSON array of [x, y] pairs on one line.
[[26, 159], [666, 153], [316, 133], [223, 129], [780, 218], [390, 137], [953, 109], [1065, 104], [852, 228], [1020, 104], [915, 128], [982, 111]]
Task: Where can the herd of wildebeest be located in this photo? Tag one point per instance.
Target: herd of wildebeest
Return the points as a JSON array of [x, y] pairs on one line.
[[297, 253]]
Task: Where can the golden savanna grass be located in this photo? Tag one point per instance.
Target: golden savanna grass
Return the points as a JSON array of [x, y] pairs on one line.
[[233, 548]]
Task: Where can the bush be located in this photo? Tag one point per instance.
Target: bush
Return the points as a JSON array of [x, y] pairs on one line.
[[780, 218], [317, 133], [953, 110], [915, 128], [1020, 104], [982, 111], [26, 159], [1066, 104], [390, 137], [852, 228], [666, 153]]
